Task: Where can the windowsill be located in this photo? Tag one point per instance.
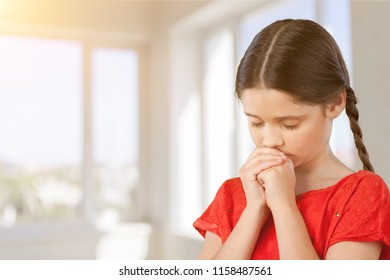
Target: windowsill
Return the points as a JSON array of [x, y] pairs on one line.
[[47, 232], [75, 240]]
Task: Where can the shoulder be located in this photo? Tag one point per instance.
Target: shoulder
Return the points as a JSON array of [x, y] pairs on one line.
[[361, 202], [366, 181], [232, 186], [231, 189], [366, 175], [363, 190], [360, 190]]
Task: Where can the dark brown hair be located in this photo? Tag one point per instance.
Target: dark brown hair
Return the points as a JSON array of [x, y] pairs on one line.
[[300, 58]]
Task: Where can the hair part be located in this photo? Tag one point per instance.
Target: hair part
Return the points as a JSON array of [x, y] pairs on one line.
[[299, 57]]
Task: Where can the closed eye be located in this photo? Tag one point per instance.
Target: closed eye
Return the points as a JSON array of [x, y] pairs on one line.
[[290, 127], [253, 124]]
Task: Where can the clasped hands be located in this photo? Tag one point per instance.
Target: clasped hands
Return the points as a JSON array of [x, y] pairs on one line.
[[268, 179]]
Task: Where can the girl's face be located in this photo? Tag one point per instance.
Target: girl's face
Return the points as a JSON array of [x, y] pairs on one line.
[[300, 131]]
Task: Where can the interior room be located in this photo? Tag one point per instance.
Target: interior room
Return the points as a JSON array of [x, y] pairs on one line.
[[119, 122]]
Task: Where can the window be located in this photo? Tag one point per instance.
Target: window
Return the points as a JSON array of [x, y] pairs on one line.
[[45, 131], [40, 127], [218, 100], [114, 133]]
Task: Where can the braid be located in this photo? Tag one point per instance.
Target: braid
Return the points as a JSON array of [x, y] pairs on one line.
[[353, 115]]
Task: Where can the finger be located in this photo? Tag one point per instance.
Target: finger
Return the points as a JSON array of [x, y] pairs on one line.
[[251, 171], [288, 162], [257, 159], [264, 151], [268, 150]]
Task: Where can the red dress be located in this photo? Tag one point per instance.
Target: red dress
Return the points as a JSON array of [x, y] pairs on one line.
[[357, 208]]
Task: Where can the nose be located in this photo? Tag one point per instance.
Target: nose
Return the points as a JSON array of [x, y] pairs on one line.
[[272, 138]]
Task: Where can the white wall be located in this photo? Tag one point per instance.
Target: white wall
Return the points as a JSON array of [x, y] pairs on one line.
[[371, 67], [131, 17], [156, 169]]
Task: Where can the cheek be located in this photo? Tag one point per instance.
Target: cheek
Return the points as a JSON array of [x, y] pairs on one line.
[[307, 138], [307, 142], [255, 136]]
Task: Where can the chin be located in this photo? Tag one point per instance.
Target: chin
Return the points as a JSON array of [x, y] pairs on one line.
[[295, 161]]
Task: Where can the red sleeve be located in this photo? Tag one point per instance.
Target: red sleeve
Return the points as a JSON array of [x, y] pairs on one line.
[[224, 211], [365, 215], [209, 220]]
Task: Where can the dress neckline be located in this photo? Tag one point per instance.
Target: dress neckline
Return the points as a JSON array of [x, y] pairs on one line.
[[328, 188]]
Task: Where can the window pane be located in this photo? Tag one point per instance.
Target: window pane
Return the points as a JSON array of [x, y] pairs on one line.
[[115, 131], [255, 21], [40, 128], [219, 110]]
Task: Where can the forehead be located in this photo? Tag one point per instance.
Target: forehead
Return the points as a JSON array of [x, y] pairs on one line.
[[272, 103]]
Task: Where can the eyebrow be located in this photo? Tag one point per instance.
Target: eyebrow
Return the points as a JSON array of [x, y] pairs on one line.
[[281, 118]]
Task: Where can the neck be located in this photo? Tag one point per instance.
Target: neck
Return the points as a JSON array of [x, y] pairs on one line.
[[322, 171]]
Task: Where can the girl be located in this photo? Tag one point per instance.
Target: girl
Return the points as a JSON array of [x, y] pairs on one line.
[[294, 199]]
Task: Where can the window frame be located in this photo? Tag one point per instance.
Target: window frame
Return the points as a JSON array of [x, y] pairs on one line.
[[89, 41]]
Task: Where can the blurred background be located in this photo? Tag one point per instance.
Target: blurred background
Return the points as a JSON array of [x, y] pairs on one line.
[[118, 120]]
